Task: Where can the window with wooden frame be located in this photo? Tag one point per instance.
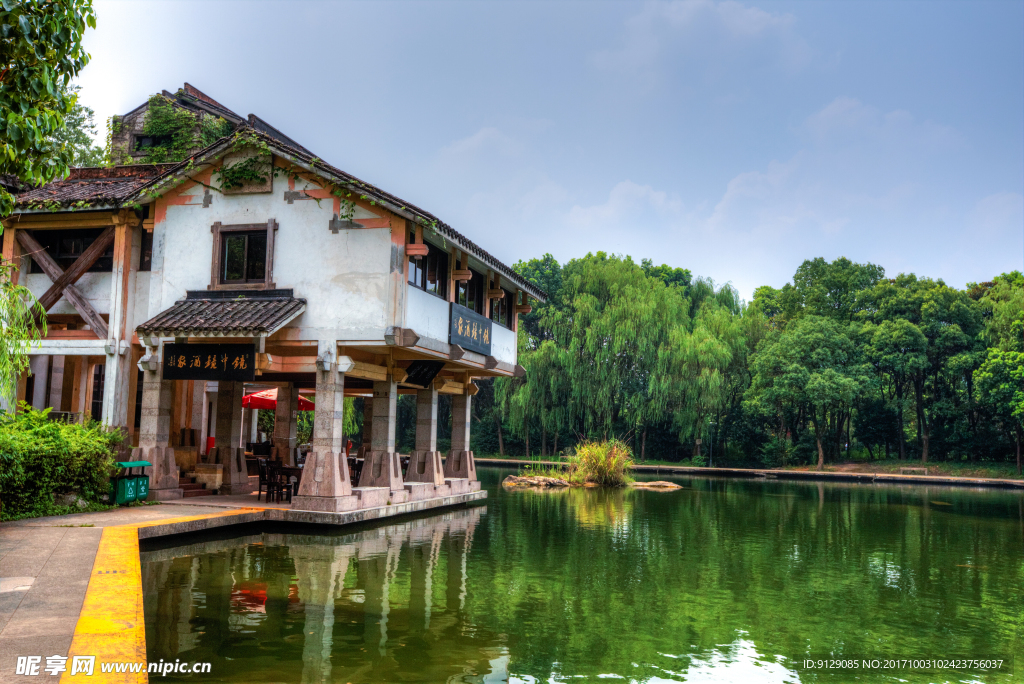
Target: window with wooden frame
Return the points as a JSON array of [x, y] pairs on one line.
[[501, 309], [430, 272], [243, 256], [470, 294]]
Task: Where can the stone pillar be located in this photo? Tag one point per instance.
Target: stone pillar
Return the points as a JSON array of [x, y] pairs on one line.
[[459, 463], [247, 420], [154, 435], [325, 482], [40, 366], [286, 423], [382, 467], [235, 476], [425, 461]]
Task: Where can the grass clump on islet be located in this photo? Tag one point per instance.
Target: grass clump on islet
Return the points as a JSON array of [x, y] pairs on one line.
[[606, 463]]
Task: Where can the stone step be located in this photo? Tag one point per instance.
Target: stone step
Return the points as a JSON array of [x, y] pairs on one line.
[[190, 486], [189, 493]]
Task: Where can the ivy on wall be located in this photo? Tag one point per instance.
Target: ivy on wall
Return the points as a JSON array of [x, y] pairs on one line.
[[172, 133]]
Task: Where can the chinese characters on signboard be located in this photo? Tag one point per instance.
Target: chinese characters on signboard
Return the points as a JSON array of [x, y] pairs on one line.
[[209, 362], [470, 330]]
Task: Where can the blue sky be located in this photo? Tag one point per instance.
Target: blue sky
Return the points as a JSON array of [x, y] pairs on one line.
[[735, 139]]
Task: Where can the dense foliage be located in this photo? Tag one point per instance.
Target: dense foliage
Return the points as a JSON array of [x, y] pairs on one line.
[[41, 459], [40, 52], [840, 362]]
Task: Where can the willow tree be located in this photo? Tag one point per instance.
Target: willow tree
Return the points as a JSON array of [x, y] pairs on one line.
[[609, 329]]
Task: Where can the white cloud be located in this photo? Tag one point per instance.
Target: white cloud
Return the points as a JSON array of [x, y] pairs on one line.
[[628, 204], [848, 120], [703, 31]]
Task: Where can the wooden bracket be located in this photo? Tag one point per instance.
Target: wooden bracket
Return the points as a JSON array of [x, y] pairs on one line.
[[417, 249]]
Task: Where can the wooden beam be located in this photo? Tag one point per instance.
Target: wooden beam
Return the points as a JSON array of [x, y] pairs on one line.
[[78, 269], [71, 293]]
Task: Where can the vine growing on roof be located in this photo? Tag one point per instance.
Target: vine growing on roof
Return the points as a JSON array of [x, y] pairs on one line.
[[170, 133]]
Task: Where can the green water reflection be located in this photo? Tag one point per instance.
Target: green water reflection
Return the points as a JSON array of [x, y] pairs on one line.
[[722, 581]]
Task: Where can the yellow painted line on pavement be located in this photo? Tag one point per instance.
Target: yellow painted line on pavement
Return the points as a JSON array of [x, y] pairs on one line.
[[111, 625]]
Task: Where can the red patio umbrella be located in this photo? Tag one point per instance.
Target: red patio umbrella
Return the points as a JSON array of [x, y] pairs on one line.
[[267, 399]]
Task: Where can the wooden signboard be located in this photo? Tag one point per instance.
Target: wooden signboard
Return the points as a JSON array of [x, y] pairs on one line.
[[210, 362], [470, 330]]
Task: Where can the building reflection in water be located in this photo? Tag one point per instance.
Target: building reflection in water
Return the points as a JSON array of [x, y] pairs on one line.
[[384, 604]]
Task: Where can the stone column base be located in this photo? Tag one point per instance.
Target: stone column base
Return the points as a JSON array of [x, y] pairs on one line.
[[460, 464], [382, 469], [418, 491], [234, 472], [325, 504], [372, 497], [425, 466], [459, 485], [399, 497]]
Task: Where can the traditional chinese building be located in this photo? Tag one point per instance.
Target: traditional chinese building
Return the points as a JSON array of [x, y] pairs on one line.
[[169, 286]]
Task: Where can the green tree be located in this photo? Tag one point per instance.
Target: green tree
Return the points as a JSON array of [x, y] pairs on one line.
[[815, 363], [898, 349], [821, 288], [40, 53], [1000, 381], [613, 321], [78, 134]]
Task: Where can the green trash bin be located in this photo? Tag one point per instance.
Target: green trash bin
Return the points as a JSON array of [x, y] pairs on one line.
[[126, 487]]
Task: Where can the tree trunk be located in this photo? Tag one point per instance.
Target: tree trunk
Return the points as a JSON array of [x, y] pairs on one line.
[[554, 445], [922, 423], [527, 444], [899, 411], [870, 453], [1018, 449], [643, 443], [817, 438], [501, 441], [543, 442]]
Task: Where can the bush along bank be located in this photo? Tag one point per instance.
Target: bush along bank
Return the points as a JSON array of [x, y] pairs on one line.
[[608, 463], [50, 467]]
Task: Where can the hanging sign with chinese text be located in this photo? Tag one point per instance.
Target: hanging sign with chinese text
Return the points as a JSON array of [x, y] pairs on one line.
[[209, 362], [470, 330]]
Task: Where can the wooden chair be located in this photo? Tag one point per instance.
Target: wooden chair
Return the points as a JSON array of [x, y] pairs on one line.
[[278, 485], [264, 473]]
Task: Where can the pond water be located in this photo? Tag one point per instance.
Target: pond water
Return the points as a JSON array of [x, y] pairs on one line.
[[721, 581]]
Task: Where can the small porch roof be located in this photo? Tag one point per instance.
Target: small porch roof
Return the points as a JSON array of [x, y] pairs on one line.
[[225, 314]]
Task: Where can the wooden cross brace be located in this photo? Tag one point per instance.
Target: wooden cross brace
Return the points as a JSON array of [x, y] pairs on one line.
[[64, 281]]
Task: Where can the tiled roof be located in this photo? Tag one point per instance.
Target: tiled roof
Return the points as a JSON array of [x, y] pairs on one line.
[[92, 185], [225, 313], [306, 158]]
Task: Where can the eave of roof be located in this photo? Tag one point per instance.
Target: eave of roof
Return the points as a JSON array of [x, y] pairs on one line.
[[314, 164], [225, 314]]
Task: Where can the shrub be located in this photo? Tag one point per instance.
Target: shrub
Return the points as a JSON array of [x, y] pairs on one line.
[[42, 458], [774, 453], [602, 463]]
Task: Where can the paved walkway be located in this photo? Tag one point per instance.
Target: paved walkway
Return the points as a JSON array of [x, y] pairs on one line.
[[45, 568], [71, 585]]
